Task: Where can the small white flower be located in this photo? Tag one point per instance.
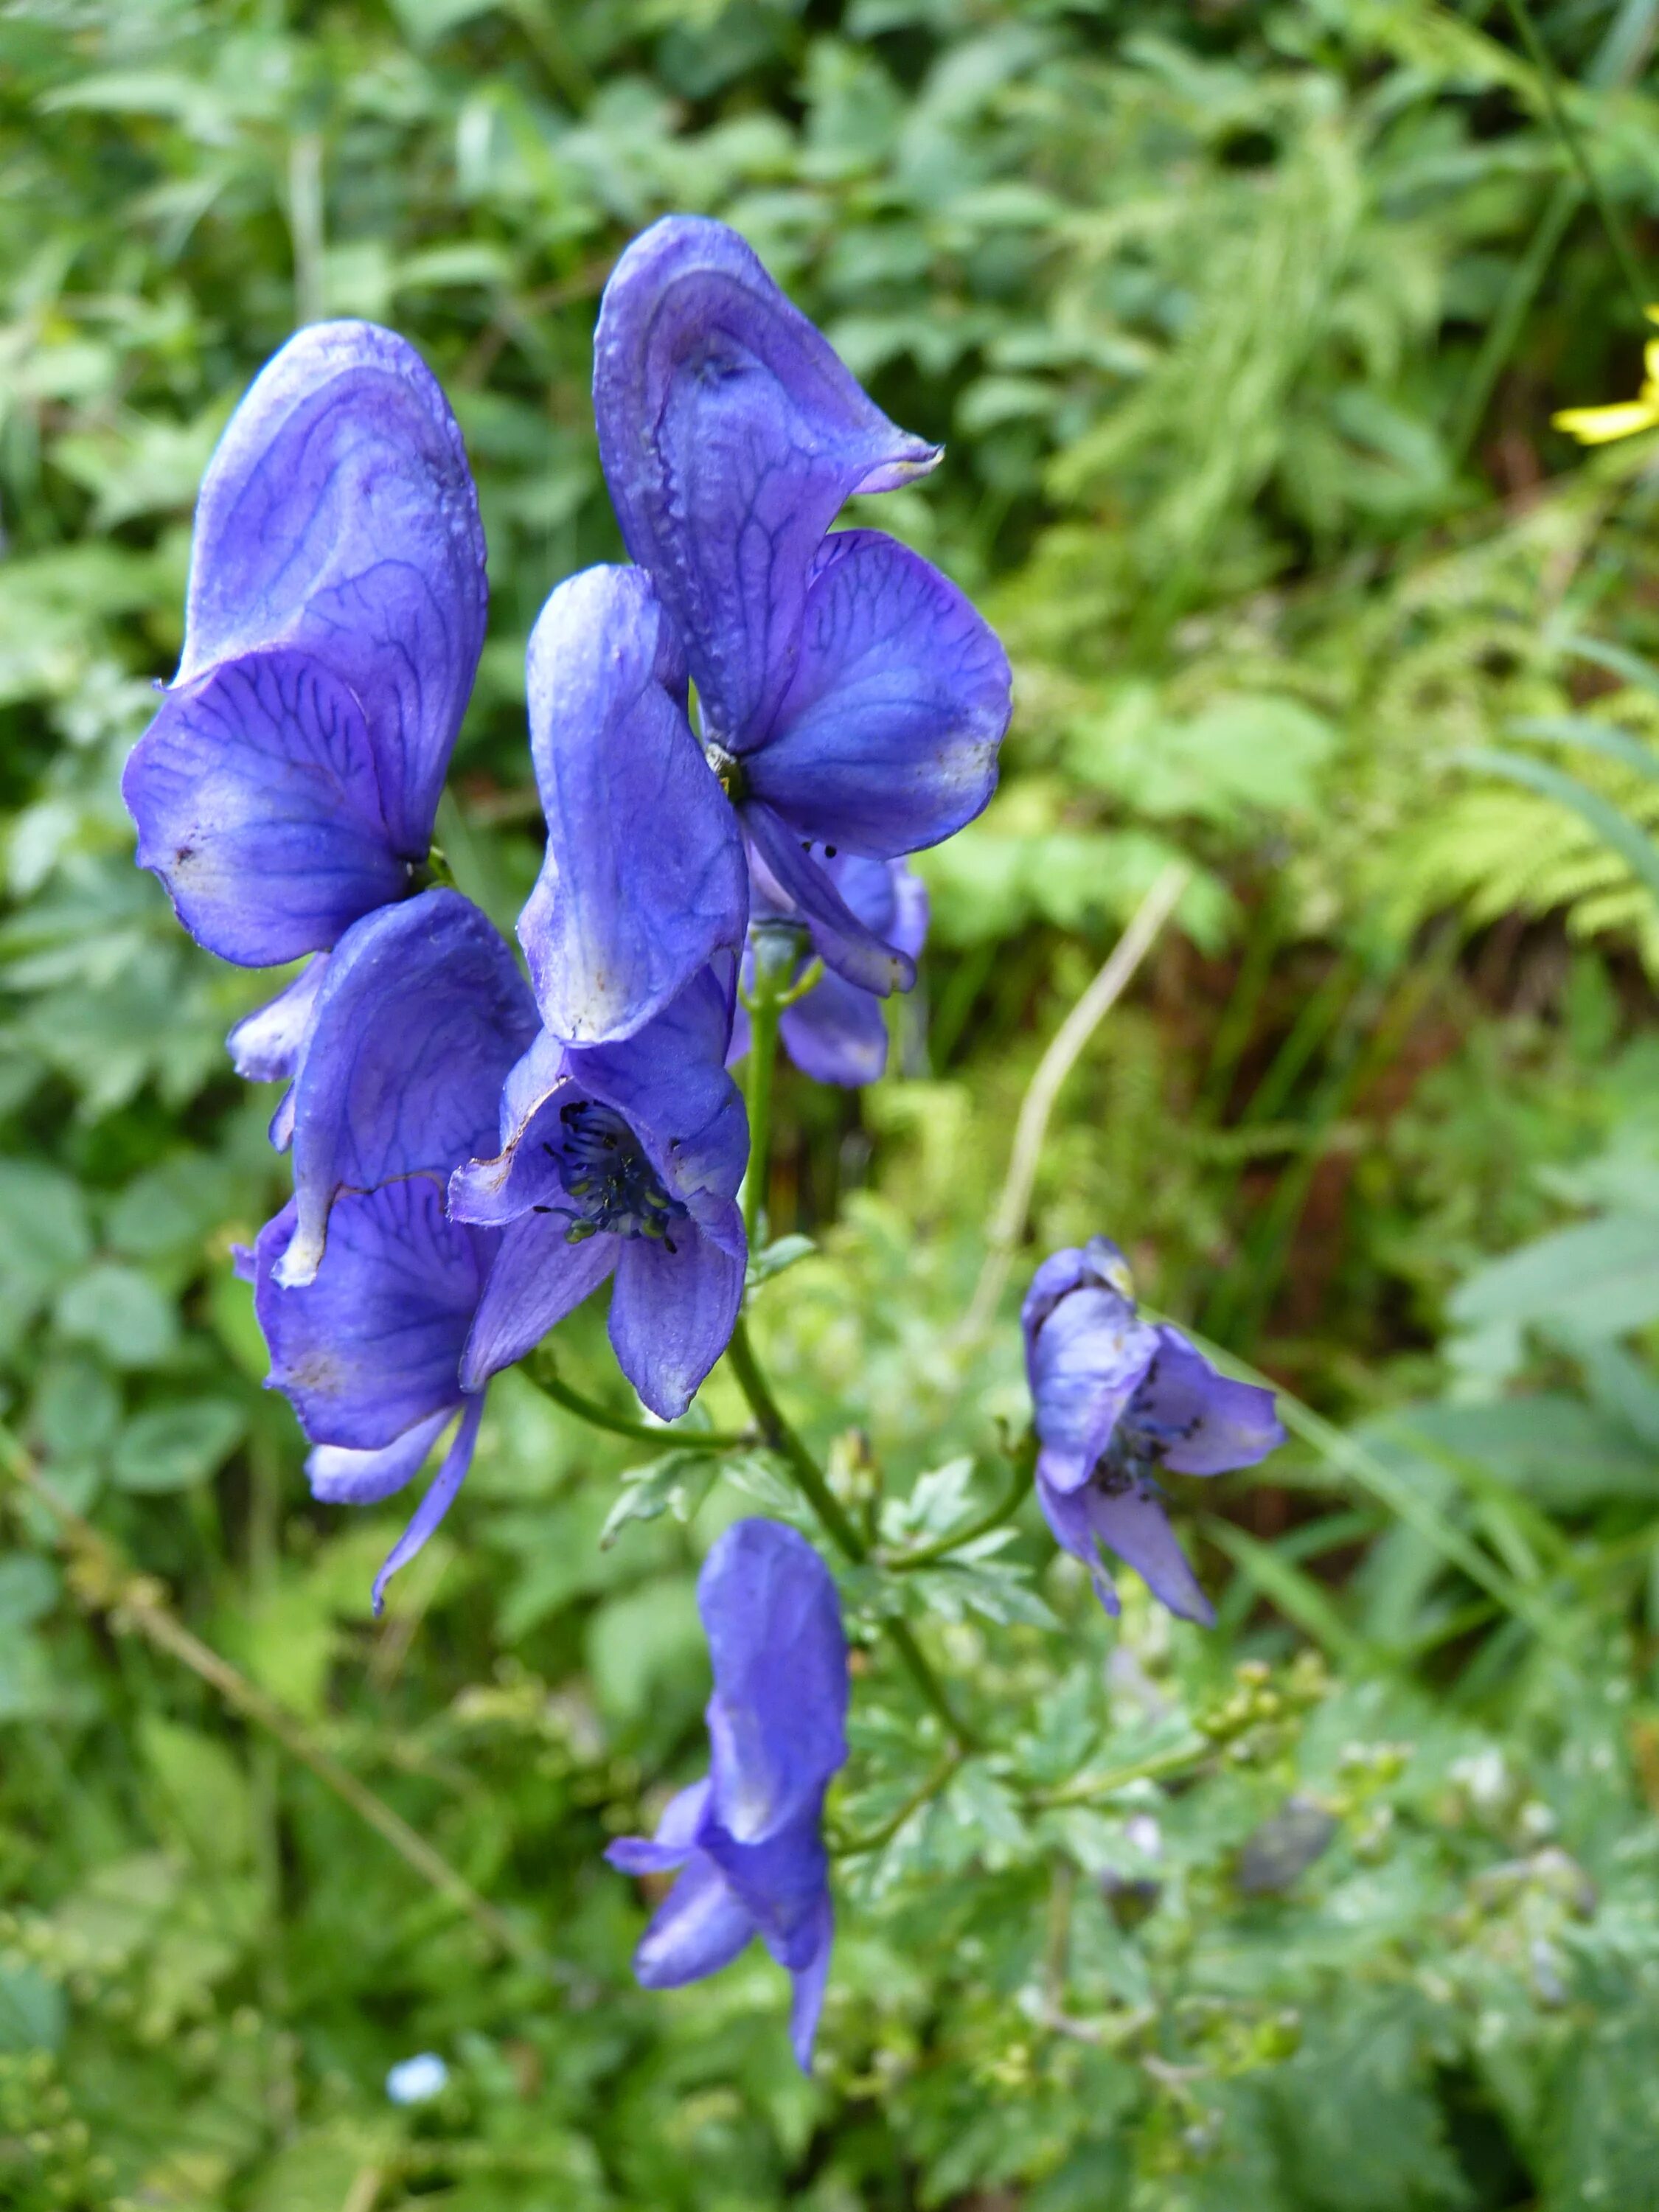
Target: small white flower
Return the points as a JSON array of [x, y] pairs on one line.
[[416, 2080]]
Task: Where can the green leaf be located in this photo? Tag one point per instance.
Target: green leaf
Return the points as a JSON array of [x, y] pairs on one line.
[[203, 1792], [34, 2015], [783, 1252], [1602, 1277], [996, 1590], [29, 1587], [1632, 845], [120, 1312], [45, 1237], [77, 1410], [647, 1653], [173, 1446], [677, 1483], [1555, 1449]]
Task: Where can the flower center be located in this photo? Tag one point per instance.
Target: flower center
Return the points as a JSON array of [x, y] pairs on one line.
[[610, 1183], [729, 770]]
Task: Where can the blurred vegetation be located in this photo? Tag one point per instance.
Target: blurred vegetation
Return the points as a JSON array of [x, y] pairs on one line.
[[1244, 324]]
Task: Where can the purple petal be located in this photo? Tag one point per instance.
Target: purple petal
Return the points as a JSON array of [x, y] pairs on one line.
[[886, 740], [266, 1045], [910, 910], [1133, 1524], [337, 516], [674, 1841], [522, 1176], [257, 800], [731, 434], [420, 1017], [1098, 1262], [1066, 1512], [797, 884], [777, 1721], [338, 1476], [1085, 1365], [373, 1344], [806, 1999], [672, 1314], [536, 1279], [700, 1927], [836, 1034], [610, 941], [439, 1496], [1198, 1421]]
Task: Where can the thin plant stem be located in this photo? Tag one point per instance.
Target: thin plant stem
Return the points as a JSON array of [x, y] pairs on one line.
[[837, 1523], [106, 1584], [923, 1794], [1156, 1767], [543, 1374], [1007, 1222], [1521, 14], [771, 993], [777, 1433], [1018, 1490]]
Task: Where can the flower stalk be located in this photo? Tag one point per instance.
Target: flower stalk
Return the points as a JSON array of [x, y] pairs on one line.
[[765, 1003], [543, 1372]]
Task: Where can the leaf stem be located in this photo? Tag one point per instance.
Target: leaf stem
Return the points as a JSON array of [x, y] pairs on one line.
[[853, 1847], [540, 1370], [1019, 1488], [1155, 1768]]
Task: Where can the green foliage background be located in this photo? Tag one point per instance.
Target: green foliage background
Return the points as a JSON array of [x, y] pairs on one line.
[[1244, 323]]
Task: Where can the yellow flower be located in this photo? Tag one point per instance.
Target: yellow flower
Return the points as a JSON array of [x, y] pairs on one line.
[[1600, 426]]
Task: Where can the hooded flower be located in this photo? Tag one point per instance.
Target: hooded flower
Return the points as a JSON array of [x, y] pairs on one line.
[[623, 1158], [333, 624], [1116, 1399], [849, 697], [747, 1840], [365, 1290], [837, 1032]]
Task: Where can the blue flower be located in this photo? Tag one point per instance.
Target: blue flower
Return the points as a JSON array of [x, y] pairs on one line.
[[334, 624], [1116, 1399], [365, 1289], [837, 1032], [850, 699], [625, 1159], [747, 1841]]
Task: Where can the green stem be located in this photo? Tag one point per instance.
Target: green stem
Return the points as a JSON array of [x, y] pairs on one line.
[[1019, 1488], [1153, 1768], [854, 1846], [1566, 131], [764, 1014], [541, 1372], [779, 1437], [775, 960]]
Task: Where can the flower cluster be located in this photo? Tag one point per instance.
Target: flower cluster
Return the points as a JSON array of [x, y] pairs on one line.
[[473, 1154]]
